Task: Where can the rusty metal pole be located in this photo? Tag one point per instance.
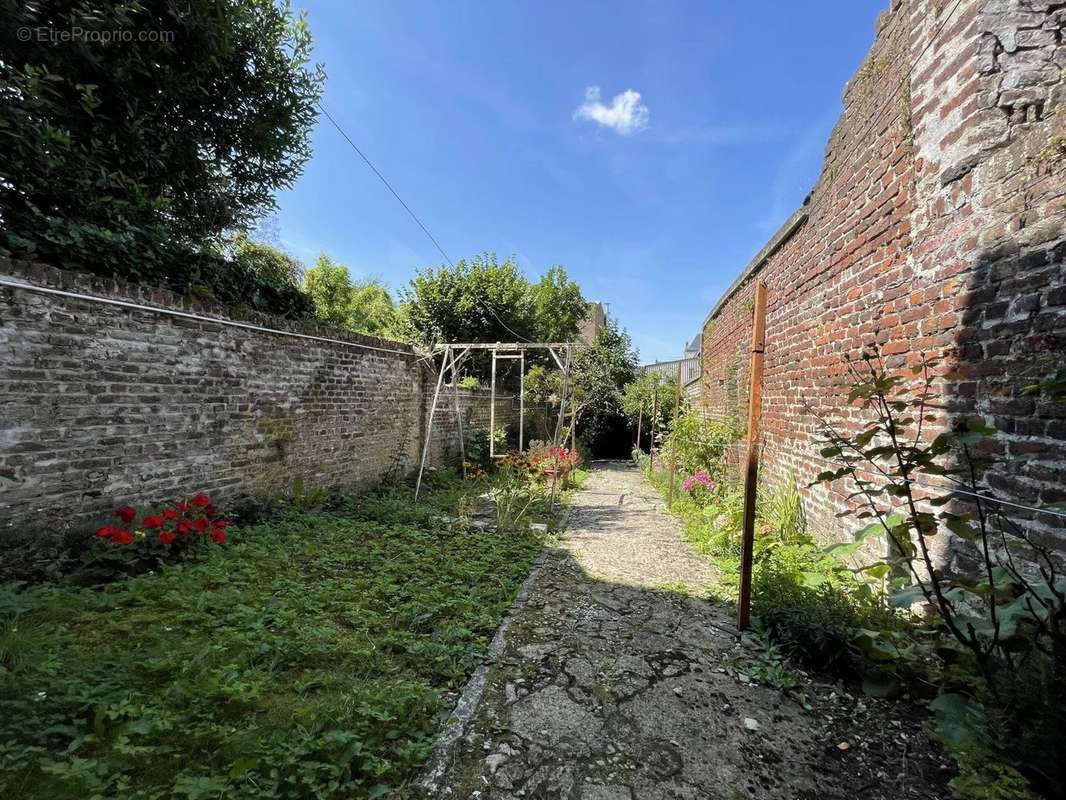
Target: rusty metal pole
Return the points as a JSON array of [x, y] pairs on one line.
[[673, 441], [751, 475]]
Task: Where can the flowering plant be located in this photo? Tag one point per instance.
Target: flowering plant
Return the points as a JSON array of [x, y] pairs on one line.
[[519, 464], [699, 485], [474, 471], [178, 526], [554, 460]]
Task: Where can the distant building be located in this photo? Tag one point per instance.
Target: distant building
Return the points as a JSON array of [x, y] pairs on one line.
[[596, 319], [690, 368], [689, 361]]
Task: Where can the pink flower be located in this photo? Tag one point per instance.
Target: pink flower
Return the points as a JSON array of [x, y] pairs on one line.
[[701, 479]]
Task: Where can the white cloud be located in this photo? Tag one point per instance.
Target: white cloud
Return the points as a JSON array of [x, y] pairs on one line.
[[625, 115]]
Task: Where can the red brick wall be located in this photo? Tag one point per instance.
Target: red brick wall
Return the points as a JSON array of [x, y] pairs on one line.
[[936, 228]]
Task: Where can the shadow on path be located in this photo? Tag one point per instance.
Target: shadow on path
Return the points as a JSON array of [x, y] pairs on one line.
[[610, 682]]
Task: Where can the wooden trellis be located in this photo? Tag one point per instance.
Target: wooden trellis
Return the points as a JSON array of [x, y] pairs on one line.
[[453, 356]]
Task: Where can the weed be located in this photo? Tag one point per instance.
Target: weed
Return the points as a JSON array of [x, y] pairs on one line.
[[311, 657]]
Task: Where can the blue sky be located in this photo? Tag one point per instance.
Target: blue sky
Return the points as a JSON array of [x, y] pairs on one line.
[[514, 127]]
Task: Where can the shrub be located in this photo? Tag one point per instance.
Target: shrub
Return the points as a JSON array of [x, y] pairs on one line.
[[702, 443], [1000, 630], [100, 175], [814, 607], [469, 382], [551, 460], [142, 541]]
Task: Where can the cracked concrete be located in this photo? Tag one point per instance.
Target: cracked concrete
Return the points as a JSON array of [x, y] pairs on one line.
[[609, 686]]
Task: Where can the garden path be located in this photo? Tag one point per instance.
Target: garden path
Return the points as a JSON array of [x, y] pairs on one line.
[[611, 681]]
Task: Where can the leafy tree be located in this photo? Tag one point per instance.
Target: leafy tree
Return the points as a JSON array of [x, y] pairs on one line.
[[363, 306], [259, 276], [483, 300], [599, 376], [329, 286], [132, 158], [477, 301], [372, 309], [269, 263], [651, 390], [559, 308]]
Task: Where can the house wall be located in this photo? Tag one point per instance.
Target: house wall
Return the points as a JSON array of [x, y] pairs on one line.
[[935, 229]]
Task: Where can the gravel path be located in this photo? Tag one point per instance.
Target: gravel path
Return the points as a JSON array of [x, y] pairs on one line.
[[610, 682]]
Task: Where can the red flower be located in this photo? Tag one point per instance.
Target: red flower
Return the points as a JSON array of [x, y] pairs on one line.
[[201, 500], [200, 524], [106, 532], [219, 535], [181, 505], [155, 521], [183, 527], [166, 537], [122, 537], [127, 514], [210, 510], [221, 523], [170, 513]]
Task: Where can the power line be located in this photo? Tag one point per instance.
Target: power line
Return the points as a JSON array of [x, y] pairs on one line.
[[414, 216], [388, 185]]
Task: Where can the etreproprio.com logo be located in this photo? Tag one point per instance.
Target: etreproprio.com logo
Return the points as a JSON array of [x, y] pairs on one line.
[[45, 35]]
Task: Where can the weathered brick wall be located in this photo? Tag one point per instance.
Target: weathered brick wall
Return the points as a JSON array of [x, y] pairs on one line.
[[104, 404], [936, 228], [475, 411]]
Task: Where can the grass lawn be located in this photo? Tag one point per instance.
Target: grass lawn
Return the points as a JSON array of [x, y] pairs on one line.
[[313, 656]]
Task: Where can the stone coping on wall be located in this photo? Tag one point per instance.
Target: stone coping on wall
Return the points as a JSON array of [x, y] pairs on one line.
[[783, 234], [167, 301]]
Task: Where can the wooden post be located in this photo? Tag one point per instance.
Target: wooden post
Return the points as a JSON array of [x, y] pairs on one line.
[[654, 419], [673, 441], [492, 410], [751, 475], [429, 422], [640, 423]]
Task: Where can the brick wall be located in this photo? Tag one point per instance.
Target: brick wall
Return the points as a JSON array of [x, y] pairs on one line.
[[104, 404], [936, 228]]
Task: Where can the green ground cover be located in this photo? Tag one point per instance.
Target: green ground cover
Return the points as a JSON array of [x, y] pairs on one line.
[[314, 655]]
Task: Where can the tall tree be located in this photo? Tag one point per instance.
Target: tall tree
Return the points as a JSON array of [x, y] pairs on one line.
[[361, 306], [372, 310], [134, 157], [329, 286], [483, 300], [270, 263], [480, 300], [558, 306], [600, 374]]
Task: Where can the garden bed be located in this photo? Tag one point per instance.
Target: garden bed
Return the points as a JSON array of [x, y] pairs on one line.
[[314, 655]]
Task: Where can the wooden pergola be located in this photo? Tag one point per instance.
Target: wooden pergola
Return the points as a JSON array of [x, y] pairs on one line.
[[453, 356]]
